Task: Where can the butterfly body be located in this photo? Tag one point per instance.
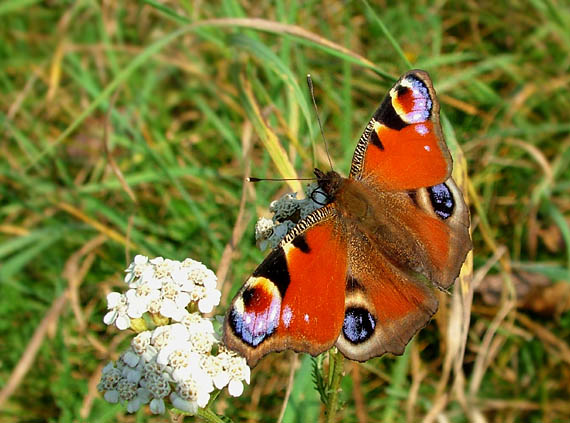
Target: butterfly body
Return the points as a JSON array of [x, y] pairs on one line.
[[358, 273]]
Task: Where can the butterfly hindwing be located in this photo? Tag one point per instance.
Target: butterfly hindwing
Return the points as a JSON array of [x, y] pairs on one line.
[[402, 147], [384, 306], [295, 298], [440, 223]]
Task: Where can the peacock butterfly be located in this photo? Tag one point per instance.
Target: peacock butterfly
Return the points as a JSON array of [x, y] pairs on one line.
[[359, 272]]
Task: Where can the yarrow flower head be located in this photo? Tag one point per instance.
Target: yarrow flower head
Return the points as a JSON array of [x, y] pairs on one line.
[[165, 289], [179, 360]]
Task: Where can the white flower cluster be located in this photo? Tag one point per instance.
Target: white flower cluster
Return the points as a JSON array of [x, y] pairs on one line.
[[182, 360], [162, 287], [287, 212]]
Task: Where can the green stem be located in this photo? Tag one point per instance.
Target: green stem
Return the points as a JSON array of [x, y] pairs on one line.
[[336, 363], [209, 416]]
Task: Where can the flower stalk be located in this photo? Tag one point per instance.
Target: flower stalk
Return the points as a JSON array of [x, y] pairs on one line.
[[336, 367]]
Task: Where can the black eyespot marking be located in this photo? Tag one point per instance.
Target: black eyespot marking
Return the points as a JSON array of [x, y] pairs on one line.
[[301, 243], [374, 140], [274, 268], [441, 200], [248, 296], [358, 325], [387, 115], [402, 90]]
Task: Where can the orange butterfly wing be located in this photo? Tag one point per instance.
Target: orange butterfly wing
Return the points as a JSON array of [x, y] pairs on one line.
[[384, 307], [295, 298], [439, 223], [402, 146]]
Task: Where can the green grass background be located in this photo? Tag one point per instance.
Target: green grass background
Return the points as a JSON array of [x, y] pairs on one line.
[[193, 96]]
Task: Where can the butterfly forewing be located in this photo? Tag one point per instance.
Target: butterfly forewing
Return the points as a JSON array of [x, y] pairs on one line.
[[402, 147], [295, 298]]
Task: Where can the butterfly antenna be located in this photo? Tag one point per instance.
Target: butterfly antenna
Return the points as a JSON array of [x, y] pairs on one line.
[[312, 91], [252, 179]]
